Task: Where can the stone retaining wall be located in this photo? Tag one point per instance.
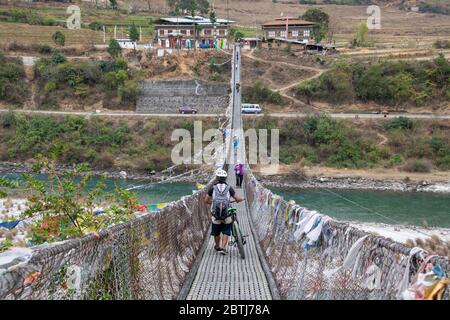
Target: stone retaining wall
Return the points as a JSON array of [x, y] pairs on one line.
[[168, 96]]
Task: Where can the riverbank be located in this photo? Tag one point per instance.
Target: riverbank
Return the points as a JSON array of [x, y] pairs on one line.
[[415, 183], [193, 175]]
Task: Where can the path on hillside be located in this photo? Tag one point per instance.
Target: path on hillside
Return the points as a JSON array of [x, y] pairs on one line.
[[283, 91]]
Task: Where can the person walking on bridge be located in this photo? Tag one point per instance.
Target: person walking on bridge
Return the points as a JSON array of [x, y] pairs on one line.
[[235, 144], [219, 197], [239, 170]]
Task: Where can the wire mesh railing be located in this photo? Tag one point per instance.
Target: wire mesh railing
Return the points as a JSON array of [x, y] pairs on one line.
[[146, 258], [312, 256]]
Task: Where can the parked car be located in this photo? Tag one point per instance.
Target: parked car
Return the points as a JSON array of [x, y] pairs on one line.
[[187, 109], [250, 108]]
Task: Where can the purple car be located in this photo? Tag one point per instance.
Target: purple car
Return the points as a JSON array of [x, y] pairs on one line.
[[187, 109]]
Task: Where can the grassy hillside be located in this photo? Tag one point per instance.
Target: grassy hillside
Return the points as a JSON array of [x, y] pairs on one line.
[[410, 145], [135, 145], [403, 84]]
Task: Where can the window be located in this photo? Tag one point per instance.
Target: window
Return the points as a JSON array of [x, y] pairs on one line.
[[271, 34], [306, 33], [183, 31], [295, 33], [283, 34], [161, 32]]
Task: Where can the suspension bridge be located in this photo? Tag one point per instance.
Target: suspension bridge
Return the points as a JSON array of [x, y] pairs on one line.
[[291, 253]]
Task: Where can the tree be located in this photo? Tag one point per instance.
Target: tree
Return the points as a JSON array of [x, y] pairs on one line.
[[63, 205], [200, 5], [203, 6], [59, 38], [238, 35], [192, 9], [113, 4], [360, 38], [321, 18], [133, 33], [212, 18], [114, 48]]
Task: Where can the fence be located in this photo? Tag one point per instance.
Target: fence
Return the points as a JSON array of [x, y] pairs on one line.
[[312, 256], [147, 258]]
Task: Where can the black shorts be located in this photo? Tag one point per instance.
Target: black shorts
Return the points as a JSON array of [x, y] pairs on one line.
[[217, 229]]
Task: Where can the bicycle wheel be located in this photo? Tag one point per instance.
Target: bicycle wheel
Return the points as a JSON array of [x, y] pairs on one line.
[[237, 234]]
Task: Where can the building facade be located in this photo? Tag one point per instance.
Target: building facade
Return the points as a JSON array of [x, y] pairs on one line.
[[288, 29], [189, 32]]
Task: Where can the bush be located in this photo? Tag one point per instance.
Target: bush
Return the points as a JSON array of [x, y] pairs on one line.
[[57, 57], [8, 119], [114, 48], [42, 48], [59, 38], [259, 92], [399, 123], [418, 165], [444, 162], [82, 90], [96, 26], [50, 87], [128, 91], [442, 44], [12, 87]]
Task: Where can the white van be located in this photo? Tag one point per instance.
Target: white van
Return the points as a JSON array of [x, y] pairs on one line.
[[250, 108]]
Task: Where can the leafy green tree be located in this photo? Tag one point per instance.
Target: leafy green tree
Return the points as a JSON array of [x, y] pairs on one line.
[[59, 38], [113, 4], [402, 87], [308, 89], [63, 205], [361, 35], [114, 48], [321, 18], [133, 33]]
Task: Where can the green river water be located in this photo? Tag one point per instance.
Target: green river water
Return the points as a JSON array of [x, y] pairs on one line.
[[414, 208]]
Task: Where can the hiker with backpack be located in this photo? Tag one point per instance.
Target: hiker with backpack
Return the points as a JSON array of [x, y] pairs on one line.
[[219, 196]]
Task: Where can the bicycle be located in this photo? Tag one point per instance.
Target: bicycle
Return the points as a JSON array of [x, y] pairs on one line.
[[239, 239]]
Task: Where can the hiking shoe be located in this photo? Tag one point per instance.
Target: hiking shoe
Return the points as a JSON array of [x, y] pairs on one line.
[[223, 251], [217, 248]]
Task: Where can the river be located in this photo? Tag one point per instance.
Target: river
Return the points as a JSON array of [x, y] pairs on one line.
[[413, 208]]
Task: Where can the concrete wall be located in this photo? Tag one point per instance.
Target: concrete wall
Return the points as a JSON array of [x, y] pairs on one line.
[[168, 96]]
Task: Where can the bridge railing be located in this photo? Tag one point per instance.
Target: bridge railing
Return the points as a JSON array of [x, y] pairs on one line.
[[146, 258], [312, 256]]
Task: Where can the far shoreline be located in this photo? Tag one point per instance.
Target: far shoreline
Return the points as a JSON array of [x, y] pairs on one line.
[[326, 180]]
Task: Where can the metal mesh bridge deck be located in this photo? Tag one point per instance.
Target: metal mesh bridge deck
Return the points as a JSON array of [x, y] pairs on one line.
[[230, 277]]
